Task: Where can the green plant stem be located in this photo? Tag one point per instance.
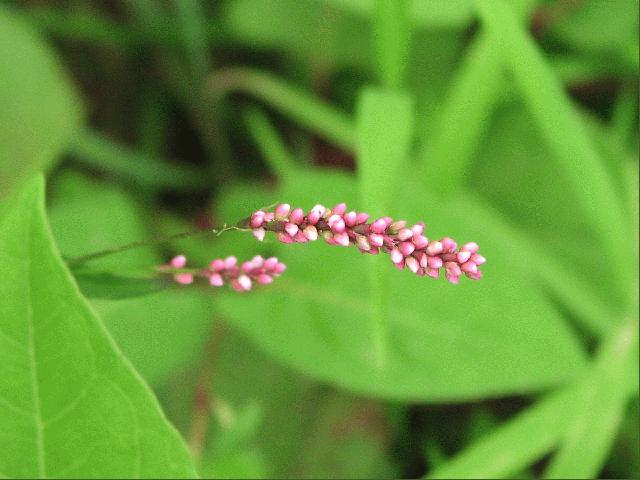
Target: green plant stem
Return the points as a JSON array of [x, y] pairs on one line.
[[77, 261], [290, 100]]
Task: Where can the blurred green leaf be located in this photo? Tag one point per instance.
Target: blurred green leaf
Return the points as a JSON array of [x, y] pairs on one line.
[[73, 406], [598, 413], [310, 112], [392, 38], [319, 313], [110, 286], [522, 440], [40, 109], [567, 138]]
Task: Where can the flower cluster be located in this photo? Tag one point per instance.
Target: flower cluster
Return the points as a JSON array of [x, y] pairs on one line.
[[241, 277], [406, 245]]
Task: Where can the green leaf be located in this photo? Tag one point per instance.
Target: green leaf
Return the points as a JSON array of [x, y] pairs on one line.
[[40, 109], [72, 405], [392, 38], [111, 286], [320, 316]]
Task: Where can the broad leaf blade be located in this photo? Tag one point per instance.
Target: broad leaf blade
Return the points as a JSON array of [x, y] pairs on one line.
[[72, 405]]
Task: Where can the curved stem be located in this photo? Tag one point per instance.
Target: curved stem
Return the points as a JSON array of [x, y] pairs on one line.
[[76, 261]]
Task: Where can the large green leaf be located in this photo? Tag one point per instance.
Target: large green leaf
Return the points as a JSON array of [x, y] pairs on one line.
[[446, 342], [40, 110], [72, 406]]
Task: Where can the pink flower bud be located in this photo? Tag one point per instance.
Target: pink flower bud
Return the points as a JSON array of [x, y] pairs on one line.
[[434, 248], [478, 259], [406, 248], [319, 208], [404, 234], [362, 218], [475, 276], [379, 226], [217, 265], [179, 261], [340, 208], [469, 267], [282, 210], [216, 280], [453, 268], [363, 243], [245, 282], [230, 262], [257, 219], [448, 245], [422, 259], [264, 279], [183, 278], [412, 264], [257, 261], [285, 237], [269, 217], [463, 256], [300, 238], [341, 239], [397, 226], [350, 219], [418, 228], [376, 240], [246, 267], [433, 272], [420, 241], [291, 228], [313, 217], [455, 279], [338, 226], [270, 263], [279, 268], [297, 216], [396, 255], [434, 262], [310, 232], [259, 233], [470, 247]]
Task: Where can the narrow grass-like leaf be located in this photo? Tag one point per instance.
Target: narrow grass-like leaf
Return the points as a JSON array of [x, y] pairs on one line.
[[561, 128], [192, 19], [40, 109], [382, 114], [392, 36], [95, 150], [289, 99], [72, 405], [602, 402], [274, 151]]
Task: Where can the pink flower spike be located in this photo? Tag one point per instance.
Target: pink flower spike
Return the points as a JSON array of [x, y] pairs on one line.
[[230, 262], [404, 234], [412, 264], [217, 265], [183, 278], [179, 261], [264, 279], [259, 233], [434, 262], [396, 256], [282, 210], [478, 259], [340, 209], [470, 247], [297, 216], [285, 237], [361, 218], [434, 248], [376, 239], [463, 256], [215, 280], [291, 228], [310, 232], [350, 219], [406, 248]]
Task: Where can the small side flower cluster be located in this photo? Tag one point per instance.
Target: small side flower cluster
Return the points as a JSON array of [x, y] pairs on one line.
[[406, 245], [220, 271]]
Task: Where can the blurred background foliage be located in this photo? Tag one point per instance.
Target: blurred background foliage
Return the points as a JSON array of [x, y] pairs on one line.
[[514, 124]]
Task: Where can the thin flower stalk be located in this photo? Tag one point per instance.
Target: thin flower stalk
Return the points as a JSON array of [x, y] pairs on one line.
[[407, 246]]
